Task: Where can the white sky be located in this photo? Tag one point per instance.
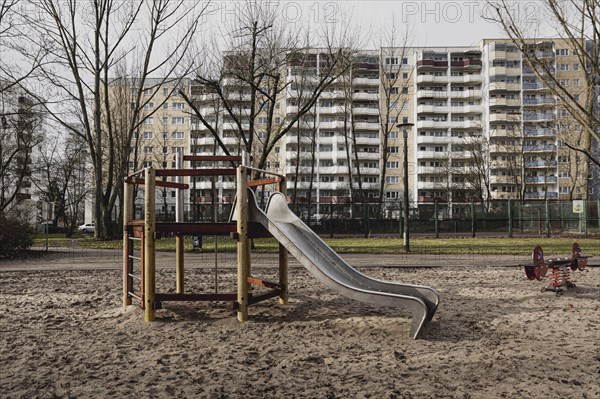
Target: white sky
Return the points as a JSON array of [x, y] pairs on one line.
[[434, 22]]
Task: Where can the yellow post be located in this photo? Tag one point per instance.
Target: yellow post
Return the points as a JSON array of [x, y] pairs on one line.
[[149, 245], [127, 217], [179, 263], [283, 259], [243, 244]]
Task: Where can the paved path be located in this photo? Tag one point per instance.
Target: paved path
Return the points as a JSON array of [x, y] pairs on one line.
[[98, 259]]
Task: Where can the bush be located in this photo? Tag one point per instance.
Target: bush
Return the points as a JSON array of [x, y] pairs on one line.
[[15, 236]]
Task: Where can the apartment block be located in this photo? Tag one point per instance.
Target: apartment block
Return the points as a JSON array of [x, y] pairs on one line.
[[485, 126]]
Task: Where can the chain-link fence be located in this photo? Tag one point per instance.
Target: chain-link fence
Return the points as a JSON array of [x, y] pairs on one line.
[[497, 217]]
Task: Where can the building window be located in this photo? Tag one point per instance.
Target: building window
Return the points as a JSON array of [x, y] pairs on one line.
[[392, 150], [165, 120], [563, 67], [392, 179], [178, 106], [148, 135], [147, 164], [149, 105], [391, 61], [147, 150], [177, 135], [576, 67], [149, 121], [392, 194], [404, 61], [391, 165], [147, 92], [178, 120], [165, 106]]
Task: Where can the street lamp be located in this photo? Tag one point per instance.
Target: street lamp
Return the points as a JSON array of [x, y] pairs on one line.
[[405, 127]]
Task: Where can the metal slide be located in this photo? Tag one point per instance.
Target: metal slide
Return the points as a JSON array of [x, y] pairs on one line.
[[330, 269]]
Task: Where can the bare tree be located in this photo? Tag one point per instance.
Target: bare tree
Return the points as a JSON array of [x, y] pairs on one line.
[[20, 133], [265, 58], [60, 178], [394, 89], [88, 40], [577, 22]]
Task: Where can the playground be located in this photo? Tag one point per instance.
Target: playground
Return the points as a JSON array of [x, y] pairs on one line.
[[66, 334], [302, 321]]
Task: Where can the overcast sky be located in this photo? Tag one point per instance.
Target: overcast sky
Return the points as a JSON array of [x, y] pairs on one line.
[[433, 23]]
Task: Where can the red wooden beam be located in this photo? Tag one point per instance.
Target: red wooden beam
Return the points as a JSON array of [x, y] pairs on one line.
[[263, 182], [212, 158], [160, 183], [264, 283], [174, 297], [195, 172]]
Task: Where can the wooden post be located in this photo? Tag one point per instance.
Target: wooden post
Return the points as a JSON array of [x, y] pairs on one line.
[[283, 260], [127, 244], [585, 217], [149, 245], [179, 240], [243, 244]]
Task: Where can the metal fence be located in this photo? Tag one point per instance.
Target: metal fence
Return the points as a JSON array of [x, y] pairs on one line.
[[497, 217]]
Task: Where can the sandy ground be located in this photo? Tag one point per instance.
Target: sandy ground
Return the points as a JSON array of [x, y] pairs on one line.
[[63, 333]]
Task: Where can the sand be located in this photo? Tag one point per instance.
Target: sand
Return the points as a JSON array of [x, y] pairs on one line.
[[63, 333]]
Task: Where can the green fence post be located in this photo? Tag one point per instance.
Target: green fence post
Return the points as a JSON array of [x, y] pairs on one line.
[[510, 222], [547, 218], [401, 221], [598, 206], [473, 218], [585, 215], [437, 225]]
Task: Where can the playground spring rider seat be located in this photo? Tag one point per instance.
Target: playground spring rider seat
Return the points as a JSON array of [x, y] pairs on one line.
[[560, 268]]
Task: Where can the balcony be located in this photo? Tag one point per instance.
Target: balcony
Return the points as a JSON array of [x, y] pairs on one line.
[[364, 111], [468, 63], [505, 117], [498, 70], [432, 79], [331, 110], [432, 94], [535, 86], [364, 96], [475, 78], [432, 140], [467, 109], [533, 148], [539, 133], [331, 125], [432, 63], [431, 124], [433, 109], [538, 117], [432, 154], [365, 82], [504, 133], [427, 185], [465, 94], [367, 140], [366, 125], [474, 124], [504, 86], [540, 164], [541, 179], [539, 101], [504, 102], [369, 156]]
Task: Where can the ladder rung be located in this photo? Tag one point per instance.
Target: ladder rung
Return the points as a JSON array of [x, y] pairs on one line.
[[138, 278], [132, 294], [134, 257], [135, 238]]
